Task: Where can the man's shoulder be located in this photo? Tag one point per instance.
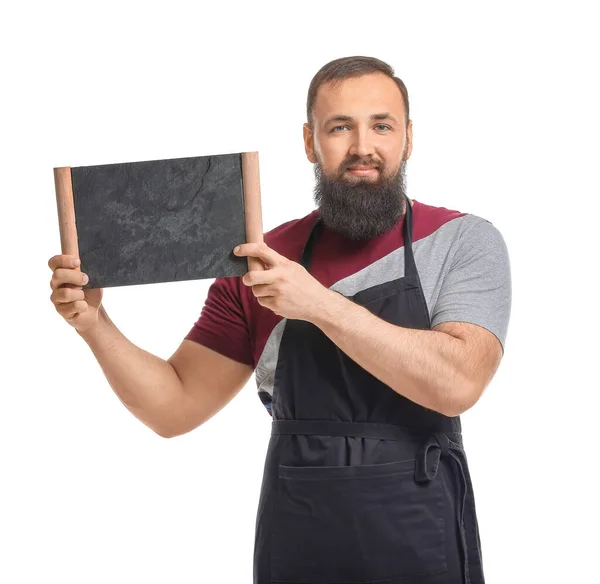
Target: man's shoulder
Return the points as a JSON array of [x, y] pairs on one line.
[[430, 218], [466, 233]]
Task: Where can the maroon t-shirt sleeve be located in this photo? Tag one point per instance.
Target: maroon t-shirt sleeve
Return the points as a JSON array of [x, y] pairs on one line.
[[223, 322]]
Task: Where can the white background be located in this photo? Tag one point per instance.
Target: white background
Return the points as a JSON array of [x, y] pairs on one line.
[[504, 100]]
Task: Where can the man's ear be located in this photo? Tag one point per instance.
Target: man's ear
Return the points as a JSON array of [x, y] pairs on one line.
[[409, 139], [309, 143]]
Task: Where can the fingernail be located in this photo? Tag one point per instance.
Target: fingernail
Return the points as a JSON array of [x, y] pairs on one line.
[[236, 249], [85, 279], [76, 262]]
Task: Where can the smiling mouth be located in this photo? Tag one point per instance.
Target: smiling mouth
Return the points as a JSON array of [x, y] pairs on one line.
[[363, 170]]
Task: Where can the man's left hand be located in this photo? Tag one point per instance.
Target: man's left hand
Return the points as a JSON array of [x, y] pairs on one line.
[[285, 287]]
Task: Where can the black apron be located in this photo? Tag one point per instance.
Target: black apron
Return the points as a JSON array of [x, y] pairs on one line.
[[360, 484]]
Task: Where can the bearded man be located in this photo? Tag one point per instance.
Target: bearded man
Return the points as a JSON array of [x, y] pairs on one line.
[[376, 322]]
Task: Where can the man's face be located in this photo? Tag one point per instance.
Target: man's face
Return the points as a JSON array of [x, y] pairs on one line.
[[359, 144]]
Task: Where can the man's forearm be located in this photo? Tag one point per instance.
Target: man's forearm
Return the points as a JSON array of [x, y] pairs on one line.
[[147, 385], [422, 365]]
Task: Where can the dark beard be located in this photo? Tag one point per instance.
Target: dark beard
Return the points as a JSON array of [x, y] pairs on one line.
[[363, 209]]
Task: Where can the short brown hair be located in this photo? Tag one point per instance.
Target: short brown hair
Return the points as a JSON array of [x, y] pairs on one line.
[[347, 67]]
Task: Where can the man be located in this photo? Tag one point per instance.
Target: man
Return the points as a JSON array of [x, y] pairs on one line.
[[376, 322]]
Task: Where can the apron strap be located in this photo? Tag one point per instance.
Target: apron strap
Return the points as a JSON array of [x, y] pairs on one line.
[[426, 467], [410, 267], [306, 257]]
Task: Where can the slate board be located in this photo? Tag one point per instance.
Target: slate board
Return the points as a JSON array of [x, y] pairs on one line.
[[159, 221]]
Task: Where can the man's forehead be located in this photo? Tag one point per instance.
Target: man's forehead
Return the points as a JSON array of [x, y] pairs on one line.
[[359, 96]]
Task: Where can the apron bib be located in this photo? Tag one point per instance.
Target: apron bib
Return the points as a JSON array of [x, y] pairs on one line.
[[361, 485]]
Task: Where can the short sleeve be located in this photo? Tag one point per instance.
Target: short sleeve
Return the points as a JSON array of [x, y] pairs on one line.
[[477, 287], [223, 323]]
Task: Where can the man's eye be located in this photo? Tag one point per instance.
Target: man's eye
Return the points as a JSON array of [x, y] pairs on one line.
[[381, 127]]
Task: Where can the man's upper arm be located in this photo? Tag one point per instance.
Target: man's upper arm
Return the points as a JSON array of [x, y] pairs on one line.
[[215, 359], [481, 356], [210, 381]]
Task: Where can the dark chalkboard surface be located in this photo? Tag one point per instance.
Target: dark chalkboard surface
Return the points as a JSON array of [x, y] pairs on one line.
[[160, 220]]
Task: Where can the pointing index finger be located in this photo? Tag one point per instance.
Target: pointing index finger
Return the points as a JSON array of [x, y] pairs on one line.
[[261, 251]]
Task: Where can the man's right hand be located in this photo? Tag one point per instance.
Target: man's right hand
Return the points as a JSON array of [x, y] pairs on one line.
[[77, 306]]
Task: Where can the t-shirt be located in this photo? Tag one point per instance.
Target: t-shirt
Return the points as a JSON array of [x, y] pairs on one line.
[[462, 261]]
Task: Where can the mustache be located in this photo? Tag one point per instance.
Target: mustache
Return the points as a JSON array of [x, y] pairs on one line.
[[358, 161]]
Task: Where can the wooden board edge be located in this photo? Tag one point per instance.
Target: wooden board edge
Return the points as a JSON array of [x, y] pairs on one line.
[[66, 211], [252, 204]]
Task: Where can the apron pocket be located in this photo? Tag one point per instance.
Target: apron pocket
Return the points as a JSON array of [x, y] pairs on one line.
[[356, 524]]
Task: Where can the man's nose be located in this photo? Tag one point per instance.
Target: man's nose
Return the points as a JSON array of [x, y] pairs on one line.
[[361, 144]]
